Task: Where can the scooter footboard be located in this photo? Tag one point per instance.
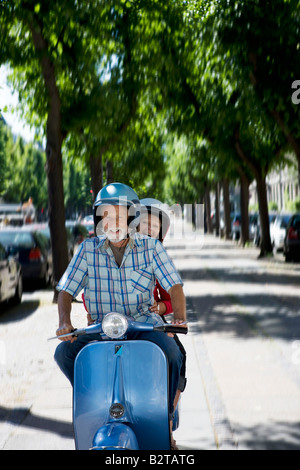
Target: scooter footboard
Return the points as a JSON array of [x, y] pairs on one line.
[[133, 374]]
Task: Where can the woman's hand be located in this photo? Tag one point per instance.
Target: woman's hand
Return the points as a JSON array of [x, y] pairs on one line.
[[158, 307]]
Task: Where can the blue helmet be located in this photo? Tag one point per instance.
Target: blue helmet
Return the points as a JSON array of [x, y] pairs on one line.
[[118, 194]]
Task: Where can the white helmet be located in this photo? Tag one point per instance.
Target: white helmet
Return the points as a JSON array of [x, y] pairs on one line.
[[155, 207]]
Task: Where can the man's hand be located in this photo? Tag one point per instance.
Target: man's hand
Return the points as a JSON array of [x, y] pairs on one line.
[[65, 329], [64, 310]]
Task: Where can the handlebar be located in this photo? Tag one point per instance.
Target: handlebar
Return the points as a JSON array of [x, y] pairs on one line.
[[168, 328], [132, 325]]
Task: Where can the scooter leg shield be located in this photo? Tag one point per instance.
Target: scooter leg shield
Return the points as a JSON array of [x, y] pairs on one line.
[[115, 436], [124, 382]]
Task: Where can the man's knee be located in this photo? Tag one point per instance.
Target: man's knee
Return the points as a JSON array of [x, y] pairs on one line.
[[59, 353]]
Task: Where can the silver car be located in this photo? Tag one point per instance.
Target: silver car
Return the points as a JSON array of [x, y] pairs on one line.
[[11, 282], [278, 231]]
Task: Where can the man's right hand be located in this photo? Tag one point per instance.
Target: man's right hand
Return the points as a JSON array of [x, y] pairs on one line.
[[63, 330]]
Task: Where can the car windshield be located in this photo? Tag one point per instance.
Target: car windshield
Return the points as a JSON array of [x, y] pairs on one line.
[[253, 219], [285, 221], [296, 222], [19, 239]]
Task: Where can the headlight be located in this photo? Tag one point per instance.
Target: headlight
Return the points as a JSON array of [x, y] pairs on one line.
[[114, 325]]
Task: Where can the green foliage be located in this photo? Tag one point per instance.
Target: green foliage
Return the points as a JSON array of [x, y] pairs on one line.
[[273, 206], [165, 90], [24, 174], [293, 206], [77, 184]]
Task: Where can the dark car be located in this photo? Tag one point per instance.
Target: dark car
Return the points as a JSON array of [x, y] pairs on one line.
[[291, 247], [11, 283], [45, 230], [33, 250]]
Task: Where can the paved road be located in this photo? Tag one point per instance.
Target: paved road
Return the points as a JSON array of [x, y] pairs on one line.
[[247, 314], [243, 356]]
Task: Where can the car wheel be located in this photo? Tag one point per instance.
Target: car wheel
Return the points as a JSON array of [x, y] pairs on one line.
[[288, 257], [46, 278]]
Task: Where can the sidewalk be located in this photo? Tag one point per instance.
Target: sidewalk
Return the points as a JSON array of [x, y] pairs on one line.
[[248, 320]]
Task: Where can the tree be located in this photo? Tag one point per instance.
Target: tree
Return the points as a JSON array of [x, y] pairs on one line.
[[2, 156], [264, 40], [210, 97], [55, 49]]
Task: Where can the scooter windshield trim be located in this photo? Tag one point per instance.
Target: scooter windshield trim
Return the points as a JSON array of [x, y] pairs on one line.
[[114, 325]]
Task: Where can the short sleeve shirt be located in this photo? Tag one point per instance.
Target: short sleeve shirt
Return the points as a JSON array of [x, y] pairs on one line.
[[128, 288]]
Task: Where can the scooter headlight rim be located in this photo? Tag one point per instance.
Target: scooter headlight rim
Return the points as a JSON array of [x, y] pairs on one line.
[[114, 325]]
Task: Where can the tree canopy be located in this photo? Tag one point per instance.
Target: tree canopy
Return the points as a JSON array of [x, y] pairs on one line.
[[171, 97]]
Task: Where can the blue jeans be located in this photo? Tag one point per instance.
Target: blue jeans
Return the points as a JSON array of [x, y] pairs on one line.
[[66, 353]]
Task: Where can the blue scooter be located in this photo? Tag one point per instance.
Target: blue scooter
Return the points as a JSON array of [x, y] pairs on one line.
[[120, 397]]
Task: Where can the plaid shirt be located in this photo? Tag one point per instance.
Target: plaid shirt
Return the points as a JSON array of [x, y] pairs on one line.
[[127, 289]]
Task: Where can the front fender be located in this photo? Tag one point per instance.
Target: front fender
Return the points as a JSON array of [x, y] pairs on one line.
[[115, 436]]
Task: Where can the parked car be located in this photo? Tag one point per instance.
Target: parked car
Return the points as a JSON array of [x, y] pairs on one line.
[[88, 223], [11, 214], [236, 227], [278, 231], [253, 221], [45, 230], [33, 250], [11, 282], [291, 246]]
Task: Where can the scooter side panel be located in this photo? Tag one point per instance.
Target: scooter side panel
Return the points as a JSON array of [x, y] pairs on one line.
[[143, 389]]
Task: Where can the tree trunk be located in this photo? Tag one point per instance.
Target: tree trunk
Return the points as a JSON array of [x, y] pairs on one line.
[[96, 171], [56, 209], [244, 198], [258, 173], [54, 167], [207, 210], [226, 200], [109, 172], [217, 209], [265, 243]]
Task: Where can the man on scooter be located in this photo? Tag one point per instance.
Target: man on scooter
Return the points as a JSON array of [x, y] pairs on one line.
[[118, 270]]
